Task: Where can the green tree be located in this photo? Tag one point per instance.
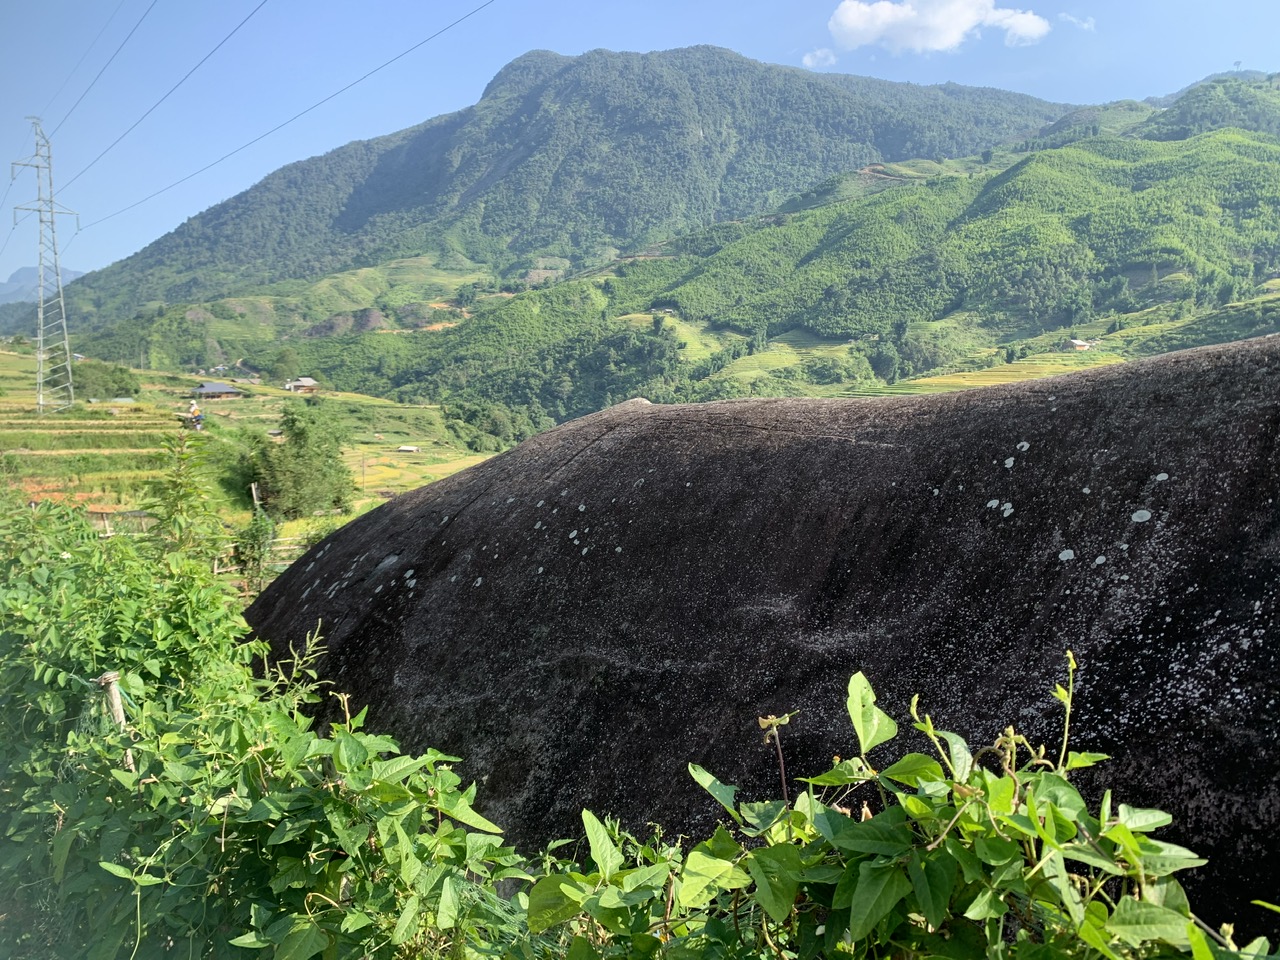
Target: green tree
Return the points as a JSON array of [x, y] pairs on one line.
[[104, 380], [284, 366], [305, 473]]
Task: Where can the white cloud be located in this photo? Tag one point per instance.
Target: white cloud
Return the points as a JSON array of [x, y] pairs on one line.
[[924, 26], [1087, 23], [820, 58]]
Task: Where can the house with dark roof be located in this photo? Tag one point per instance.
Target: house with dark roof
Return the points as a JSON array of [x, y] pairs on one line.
[[214, 390]]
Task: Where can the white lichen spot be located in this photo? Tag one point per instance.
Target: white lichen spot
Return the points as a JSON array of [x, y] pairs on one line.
[[584, 550], [1067, 555], [538, 525], [935, 491], [378, 588], [453, 578], [564, 492], [1141, 516], [411, 584], [582, 507], [409, 572], [1162, 477], [1085, 490], [511, 499], [617, 549], [1099, 560], [574, 534], [688, 484], [541, 502], [479, 580], [1051, 399], [992, 504], [1008, 464], [1024, 446], [444, 520], [1007, 509], [540, 569]]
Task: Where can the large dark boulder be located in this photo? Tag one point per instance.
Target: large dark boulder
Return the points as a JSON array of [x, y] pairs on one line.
[[582, 616]]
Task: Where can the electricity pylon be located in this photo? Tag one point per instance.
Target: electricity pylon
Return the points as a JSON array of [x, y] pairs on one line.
[[54, 390]]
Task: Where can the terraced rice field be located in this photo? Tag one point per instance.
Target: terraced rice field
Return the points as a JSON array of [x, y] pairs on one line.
[[1030, 368], [103, 455], [789, 350]]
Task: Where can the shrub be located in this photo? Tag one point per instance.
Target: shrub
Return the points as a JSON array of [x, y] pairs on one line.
[[163, 794]]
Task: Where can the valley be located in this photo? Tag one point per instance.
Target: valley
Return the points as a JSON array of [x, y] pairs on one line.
[[1001, 393]]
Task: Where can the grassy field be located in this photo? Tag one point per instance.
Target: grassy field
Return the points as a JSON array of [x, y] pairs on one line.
[[697, 341], [103, 454]]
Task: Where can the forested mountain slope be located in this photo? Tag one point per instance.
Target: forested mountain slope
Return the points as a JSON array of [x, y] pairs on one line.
[[569, 156], [1226, 102], [1107, 233]]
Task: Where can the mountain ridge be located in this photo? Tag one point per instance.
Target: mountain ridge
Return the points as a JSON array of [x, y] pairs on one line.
[[576, 157], [23, 285]]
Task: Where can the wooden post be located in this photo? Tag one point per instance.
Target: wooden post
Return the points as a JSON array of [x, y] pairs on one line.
[[110, 682]]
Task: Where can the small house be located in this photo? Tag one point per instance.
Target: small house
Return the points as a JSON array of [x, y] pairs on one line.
[[1078, 344], [409, 449], [302, 385], [214, 390]]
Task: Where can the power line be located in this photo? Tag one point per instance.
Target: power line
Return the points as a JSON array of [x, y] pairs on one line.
[[4, 246], [94, 81], [13, 178], [167, 95], [86, 53], [296, 116]]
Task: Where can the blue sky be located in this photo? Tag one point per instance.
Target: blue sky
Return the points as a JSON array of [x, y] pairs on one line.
[[290, 54]]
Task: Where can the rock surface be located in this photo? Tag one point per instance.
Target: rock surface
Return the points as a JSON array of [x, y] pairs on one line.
[[582, 616]]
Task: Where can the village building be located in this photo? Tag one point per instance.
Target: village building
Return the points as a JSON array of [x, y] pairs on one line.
[[213, 390]]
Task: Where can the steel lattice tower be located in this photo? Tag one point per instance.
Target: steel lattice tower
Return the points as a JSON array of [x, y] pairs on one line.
[[54, 390]]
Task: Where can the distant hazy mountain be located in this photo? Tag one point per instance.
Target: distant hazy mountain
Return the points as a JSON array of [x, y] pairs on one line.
[[575, 157], [24, 284]]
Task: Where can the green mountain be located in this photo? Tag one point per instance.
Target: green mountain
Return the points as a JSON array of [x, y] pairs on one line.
[[1126, 236], [1225, 102], [571, 157], [1146, 245]]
